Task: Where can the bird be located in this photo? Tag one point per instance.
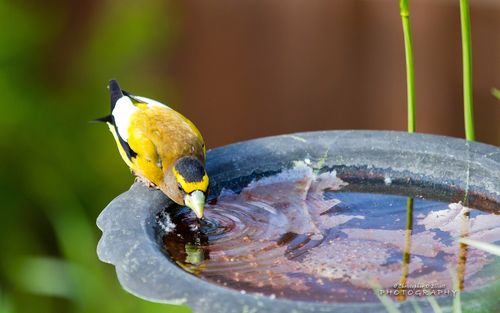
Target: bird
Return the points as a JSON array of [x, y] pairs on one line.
[[162, 148]]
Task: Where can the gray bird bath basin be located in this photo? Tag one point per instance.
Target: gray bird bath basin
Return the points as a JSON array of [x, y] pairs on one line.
[[347, 169]]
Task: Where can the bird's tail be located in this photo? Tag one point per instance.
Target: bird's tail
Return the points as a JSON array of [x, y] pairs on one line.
[[104, 119], [115, 92]]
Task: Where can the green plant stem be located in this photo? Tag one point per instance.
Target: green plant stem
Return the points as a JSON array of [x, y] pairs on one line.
[[467, 69], [389, 305], [488, 247], [404, 10], [434, 304]]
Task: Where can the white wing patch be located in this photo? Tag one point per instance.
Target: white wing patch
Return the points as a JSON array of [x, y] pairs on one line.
[[124, 109], [122, 112], [151, 101]]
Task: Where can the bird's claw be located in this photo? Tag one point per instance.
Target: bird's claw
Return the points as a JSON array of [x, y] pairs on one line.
[[146, 182]]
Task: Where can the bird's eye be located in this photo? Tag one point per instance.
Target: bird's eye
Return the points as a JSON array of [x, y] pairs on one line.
[[179, 187]]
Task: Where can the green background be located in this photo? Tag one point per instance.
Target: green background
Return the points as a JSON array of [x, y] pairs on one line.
[[59, 170]]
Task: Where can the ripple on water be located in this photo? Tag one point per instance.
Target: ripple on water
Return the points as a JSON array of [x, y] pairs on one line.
[[298, 235]]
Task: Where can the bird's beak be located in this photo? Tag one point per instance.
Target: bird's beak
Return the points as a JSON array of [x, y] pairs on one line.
[[195, 201]]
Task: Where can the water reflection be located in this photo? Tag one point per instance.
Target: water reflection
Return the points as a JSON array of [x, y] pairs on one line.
[[405, 266], [463, 249], [299, 235]]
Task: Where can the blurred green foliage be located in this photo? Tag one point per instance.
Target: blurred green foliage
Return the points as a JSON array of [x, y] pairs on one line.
[[58, 170]]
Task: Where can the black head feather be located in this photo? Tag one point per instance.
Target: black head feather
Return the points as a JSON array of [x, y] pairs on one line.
[[191, 169]]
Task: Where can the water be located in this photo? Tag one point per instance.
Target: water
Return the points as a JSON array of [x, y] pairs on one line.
[[304, 236]]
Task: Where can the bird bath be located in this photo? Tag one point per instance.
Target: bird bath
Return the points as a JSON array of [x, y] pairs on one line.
[[311, 221]]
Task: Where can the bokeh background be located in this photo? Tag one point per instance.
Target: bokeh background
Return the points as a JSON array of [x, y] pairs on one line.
[[238, 69]]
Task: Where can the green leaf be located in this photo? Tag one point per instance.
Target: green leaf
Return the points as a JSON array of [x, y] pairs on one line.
[[45, 276], [5, 304]]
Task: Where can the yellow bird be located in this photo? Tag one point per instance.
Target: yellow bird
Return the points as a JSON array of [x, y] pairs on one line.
[[162, 147]]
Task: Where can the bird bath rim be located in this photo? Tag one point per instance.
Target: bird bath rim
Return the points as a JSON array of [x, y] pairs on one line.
[[130, 243]]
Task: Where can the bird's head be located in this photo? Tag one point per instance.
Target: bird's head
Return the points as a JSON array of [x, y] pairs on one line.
[[192, 182]]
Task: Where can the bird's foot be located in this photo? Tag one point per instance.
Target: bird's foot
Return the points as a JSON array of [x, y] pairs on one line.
[[146, 182]]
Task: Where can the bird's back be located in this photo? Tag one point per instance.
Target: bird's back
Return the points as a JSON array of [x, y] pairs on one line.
[[160, 135]]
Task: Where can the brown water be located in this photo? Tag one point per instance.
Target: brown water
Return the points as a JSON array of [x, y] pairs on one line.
[[299, 235]]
